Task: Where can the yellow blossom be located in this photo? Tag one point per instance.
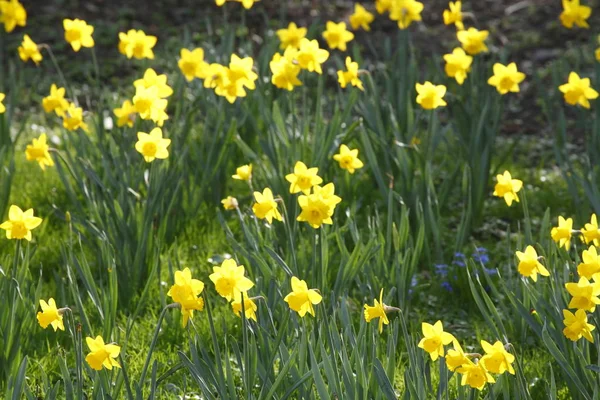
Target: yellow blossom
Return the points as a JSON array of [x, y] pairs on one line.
[[246, 3], [458, 64], [303, 178], [574, 14], [430, 96], [243, 173], [383, 5], [250, 306], [591, 232], [350, 76], [229, 279], [38, 151], [136, 44], [12, 13], [453, 15], [2, 107], [216, 75], [361, 18], [590, 264], [149, 105], [152, 145], [185, 292], [496, 359], [152, 79], [50, 315], [318, 207], [475, 375], [291, 36], [507, 187], [405, 12], [529, 264], [348, 159], [337, 36], [456, 358], [229, 203], [78, 33], [20, 223], [301, 299], [285, 70], [585, 294], [55, 101], [434, 339], [265, 206], [310, 56], [506, 78], [126, 114], [473, 40], [102, 355], [73, 118], [578, 91], [377, 311], [192, 64], [576, 326], [561, 234], [28, 50]]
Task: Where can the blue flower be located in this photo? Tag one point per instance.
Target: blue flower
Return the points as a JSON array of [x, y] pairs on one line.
[[447, 286], [480, 255], [491, 271], [441, 269], [459, 259]]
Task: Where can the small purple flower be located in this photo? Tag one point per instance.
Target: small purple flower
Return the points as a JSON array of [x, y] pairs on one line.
[[459, 259], [441, 269], [447, 286]]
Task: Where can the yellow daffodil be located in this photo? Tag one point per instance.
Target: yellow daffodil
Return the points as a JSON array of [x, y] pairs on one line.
[[38, 151], [192, 64], [578, 91], [29, 50], [576, 326], [456, 357], [377, 311], [265, 206], [529, 264], [590, 264], [12, 13], [585, 294], [562, 233], [473, 40], [310, 56], [241, 71], [50, 315], [78, 33], [149, 105], [125, 114], [291, 36], [246, 3], [591, 232], [55, 101], [405, 12], [506, 78], [318, 207], [285, 70], [229, 279], [229, 203], [383, 5], [136, 44], [458, 64], [303, 178], [475, 375], [434, 339], [2, 107], [348, 159], [102, 355], [185, 292], [350, 76], [453, 15], [152, 79], [337, 36], [20, 223], [250, 306], [73, 118], [301, 299], [507, 188], [574, 14], [152, 145], [597, 54], [430, 96], [243, 173], [361, 18], [496, 359]]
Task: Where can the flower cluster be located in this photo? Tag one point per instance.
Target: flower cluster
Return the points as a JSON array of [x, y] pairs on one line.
[[71, 114]]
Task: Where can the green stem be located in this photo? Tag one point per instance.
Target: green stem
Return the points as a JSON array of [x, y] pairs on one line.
[[58, 69]]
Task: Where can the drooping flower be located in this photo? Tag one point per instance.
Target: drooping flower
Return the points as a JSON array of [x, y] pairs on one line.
[[405, 12], [506, 78], [266, 206], [136, 44], [229, 279], [473, 40], [192, 64], [185, 291], [561, 234], [337, 36], [585, 294], [475, 375], [591, 232], [250, 306], [458, 64], [507, 187], [38, 151], [496, 359], [348, 159], [73, 118], [125, 114], [430, 96], [377, 311], [303, 178], [578, 91], [50, 315], [78, 33], [301, 299], [29, 50], [55, 101], [574, 14], [434, 339], [590, 264], [529, 264], [350, 76], [152, 145], [12, 13], [20, 223], [291, 36], [310, 56], [243, 173], [102, 355], [361, 18], [285, 70], [456, 358], [229, 203], [453, 15], [576, 326]]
